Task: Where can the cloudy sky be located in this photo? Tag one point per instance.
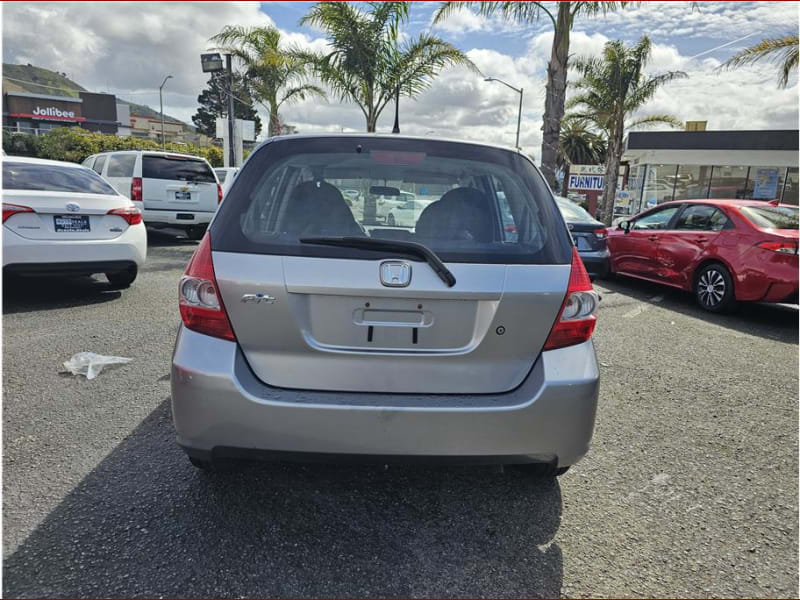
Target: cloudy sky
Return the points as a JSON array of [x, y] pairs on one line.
[[127, 49]]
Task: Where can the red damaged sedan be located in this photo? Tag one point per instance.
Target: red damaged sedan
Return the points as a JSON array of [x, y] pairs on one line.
[[723, 251]]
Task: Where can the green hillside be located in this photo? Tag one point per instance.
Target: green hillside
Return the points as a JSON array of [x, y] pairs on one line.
[[36, 80], [27, 78]]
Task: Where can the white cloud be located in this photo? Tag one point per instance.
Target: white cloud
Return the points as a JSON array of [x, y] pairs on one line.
[[124, 46], [132, 46], [462, 21]]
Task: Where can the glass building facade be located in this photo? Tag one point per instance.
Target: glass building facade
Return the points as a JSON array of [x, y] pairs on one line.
[[738, 167]]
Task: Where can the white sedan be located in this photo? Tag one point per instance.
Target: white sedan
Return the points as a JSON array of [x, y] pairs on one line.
[[407, 213], [64, 219]]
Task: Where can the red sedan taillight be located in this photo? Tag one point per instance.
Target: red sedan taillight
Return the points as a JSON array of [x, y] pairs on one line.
[[601, 233], [200, 303], [13, 209], [136, 189], [219, 193], [577, 317], [131, 214], [782, 247]]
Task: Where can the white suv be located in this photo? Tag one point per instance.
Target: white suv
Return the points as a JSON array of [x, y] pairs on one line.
[[171, 190]]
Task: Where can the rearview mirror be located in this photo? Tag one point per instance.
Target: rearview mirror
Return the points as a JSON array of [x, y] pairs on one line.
[[382, 190]]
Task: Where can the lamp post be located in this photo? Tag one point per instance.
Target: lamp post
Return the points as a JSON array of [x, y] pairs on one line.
[[212, 63], [161, 102], [519, 91]]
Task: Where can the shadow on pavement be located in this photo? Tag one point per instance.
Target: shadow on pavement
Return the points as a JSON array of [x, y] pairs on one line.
[[167, 237], [771, 321], [31, 294], [145, 523]]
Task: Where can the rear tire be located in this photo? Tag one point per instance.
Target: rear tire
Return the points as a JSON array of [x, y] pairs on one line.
[[713, 288], [542, 469], [196, 232], [122, 279]]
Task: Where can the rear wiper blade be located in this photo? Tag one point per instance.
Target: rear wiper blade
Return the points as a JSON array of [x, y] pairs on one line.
[[399, 246]]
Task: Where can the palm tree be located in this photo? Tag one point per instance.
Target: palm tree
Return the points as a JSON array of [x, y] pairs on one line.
[[367, 64], [781, 51], [613, 87], [562, 18], [276, 76], [578, 145]]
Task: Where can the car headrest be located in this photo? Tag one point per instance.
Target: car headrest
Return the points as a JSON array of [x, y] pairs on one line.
[[462, 214], [318, 208]]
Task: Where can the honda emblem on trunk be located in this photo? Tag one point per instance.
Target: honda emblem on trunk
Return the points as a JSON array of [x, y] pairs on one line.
[[395, 273]]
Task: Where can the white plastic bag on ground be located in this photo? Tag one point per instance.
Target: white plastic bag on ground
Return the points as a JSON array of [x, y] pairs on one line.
[[90, 364]]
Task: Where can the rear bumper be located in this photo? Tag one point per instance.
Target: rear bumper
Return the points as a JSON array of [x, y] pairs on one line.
[[69, 268], [221, 409], [177, 217], [23, 254], [597, 263]]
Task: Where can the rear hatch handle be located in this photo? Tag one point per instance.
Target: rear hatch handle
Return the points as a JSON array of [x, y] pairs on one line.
[[395, 246]]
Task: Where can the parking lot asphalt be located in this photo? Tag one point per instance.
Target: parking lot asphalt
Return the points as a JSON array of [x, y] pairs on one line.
[[690, 489]]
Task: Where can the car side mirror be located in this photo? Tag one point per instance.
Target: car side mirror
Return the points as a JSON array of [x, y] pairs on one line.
[[625, 226]]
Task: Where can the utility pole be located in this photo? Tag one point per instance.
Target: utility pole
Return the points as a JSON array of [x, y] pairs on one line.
[[231, 151], [161, 102]]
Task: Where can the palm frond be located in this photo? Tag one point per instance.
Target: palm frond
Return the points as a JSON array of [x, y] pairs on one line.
[[782, 51], [647, 89], [301, 92], [655, 120], [518, 12], [599, 8]]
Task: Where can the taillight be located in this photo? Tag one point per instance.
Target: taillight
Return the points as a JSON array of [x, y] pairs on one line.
[[200, 303], [12, 209], [577, 317], [219, 193], [782, 247], [131, 214], [600, 233], [136, 189]]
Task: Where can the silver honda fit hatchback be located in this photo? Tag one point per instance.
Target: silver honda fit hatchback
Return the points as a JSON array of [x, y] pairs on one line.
[[438, 310]]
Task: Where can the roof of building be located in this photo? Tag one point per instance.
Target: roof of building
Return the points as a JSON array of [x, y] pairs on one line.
[[779, 139]]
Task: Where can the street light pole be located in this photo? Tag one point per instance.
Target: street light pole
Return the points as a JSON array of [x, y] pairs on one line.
[[161, 102], [231, 151], [519, 115], [519, 91]]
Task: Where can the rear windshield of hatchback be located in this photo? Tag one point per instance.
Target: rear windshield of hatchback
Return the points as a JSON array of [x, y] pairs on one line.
[[178, 168], [772, 217], [53, 178], [467, 203]]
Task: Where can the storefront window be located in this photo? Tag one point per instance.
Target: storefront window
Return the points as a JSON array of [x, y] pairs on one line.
[[765, 183], [629, 201], [692, 182], [658, 185], [790, 191], [728, 182]]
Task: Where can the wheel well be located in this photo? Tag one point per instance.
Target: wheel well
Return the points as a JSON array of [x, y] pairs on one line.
[[713, 261]]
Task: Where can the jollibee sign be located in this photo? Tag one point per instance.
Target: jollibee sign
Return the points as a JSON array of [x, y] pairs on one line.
[[52, 111]]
